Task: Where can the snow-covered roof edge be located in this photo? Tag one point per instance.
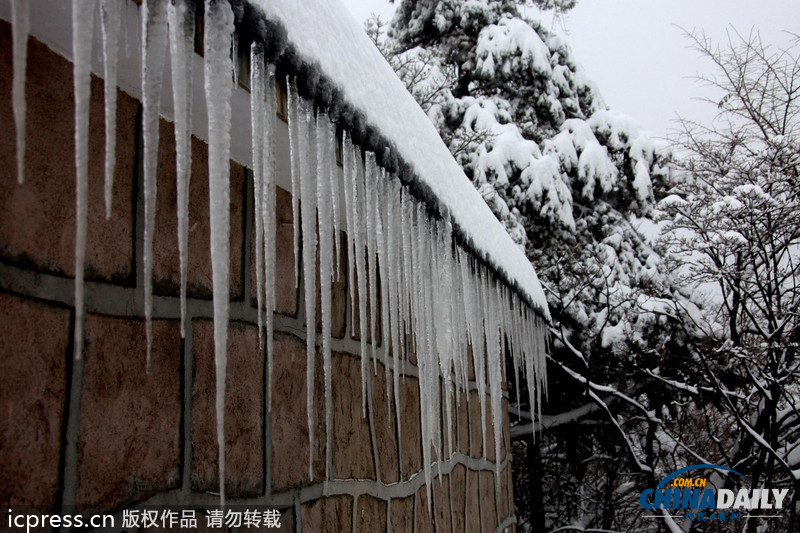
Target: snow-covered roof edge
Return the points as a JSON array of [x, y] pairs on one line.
[[340, 70]]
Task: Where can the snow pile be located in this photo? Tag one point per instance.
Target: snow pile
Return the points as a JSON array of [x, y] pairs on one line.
[[419, 283], [512, 40]]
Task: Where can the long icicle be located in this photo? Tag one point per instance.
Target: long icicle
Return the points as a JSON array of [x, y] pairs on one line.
[[293, 114], [395, 273], [269, 221], [326, 249], [495, 352], [332, 147], [181, 39], [154, 41], [110, 16], [218, 89], [347, 166], [82, 29], [20, 17], [257, 121], [360, 226], [383, 272], [370, 180], [308, 194]]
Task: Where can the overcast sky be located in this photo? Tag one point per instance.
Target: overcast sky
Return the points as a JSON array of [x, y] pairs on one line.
[[637, 54]]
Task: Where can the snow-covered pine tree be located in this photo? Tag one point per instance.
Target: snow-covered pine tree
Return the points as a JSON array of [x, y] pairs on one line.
[[575, 184]]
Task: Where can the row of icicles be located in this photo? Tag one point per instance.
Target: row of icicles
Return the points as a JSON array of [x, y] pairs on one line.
[[432, 297]]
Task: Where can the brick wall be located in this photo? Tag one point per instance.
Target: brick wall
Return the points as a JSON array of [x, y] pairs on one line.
[[103, 434]]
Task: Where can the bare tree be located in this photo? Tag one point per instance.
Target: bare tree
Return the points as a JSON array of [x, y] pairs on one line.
[[735, 213]]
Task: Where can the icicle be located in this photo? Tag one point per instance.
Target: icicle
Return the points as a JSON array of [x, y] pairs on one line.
[[257, 118], [262, 102], [20, 20], [534, 363], [420, 324], [154, 41], [269, 222], [235, 56], [494, 353], [382, 262], [406, 231], [372, 248], [347, 168], [459, 306], [359, 224], [308, 194], [431, 293], [468, 299], [441, 244], [218, 89], [324, 209], [181, 41], [518, 348], [479, 347], [111, 15], [394, 266], [330, 156], [82, 29], [428, 372], [294, 119]]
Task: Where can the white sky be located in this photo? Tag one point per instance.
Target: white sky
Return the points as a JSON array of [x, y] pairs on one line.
[[636, 53]]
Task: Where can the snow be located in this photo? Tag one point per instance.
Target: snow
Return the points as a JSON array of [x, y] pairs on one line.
[[548, 192], [325, 34], [512, 38], [218, 65], [82, 50]]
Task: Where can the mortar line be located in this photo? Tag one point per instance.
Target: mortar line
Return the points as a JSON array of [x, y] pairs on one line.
[[126, 302], [347, 487]]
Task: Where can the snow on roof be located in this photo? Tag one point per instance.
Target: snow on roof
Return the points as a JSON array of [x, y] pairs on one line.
[[324, 36]]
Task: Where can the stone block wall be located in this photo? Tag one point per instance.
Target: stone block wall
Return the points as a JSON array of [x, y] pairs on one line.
[[102, 434]]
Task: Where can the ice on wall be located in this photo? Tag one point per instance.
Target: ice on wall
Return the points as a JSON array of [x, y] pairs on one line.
[[413, 284]]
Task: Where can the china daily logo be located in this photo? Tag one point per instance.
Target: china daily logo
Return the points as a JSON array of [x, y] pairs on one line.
[[693, 496]]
